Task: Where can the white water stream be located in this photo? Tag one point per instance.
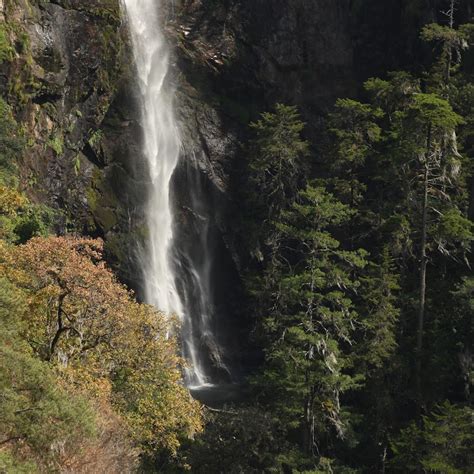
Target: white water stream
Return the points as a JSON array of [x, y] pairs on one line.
[[161, 147]]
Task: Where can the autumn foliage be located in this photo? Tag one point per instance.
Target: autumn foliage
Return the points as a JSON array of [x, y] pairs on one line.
[[99, 345]]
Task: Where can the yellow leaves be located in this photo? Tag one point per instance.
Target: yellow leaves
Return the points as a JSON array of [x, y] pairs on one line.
[[11, 201], [74, 296], [8, 268], [152, 398], [80, 379], [328, 405], [103, 343]]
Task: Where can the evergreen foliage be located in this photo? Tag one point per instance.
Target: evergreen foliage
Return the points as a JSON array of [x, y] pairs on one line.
[[276, 170], [363, 294], [311, 319], [443, 443]]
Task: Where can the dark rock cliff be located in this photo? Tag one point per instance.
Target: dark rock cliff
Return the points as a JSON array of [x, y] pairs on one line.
[[235, 59], [68, 82], [61, 81], [71, 83]]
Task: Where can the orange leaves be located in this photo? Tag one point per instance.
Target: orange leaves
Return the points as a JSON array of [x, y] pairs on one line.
[[104, 344], [75, 300]]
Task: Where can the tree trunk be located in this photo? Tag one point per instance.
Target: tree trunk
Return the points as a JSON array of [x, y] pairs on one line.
[[423, 268], [449, 60], [60, 327], [309, 434]]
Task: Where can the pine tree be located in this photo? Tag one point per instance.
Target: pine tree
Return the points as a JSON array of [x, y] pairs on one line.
[[277, 156], [354, 130], [311, 319], [450, 42], [429, 161]]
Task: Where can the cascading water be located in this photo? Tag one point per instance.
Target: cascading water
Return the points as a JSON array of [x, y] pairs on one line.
[[161, 147], [161, 144]]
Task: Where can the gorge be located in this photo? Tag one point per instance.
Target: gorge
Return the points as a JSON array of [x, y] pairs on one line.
[[236, 236]]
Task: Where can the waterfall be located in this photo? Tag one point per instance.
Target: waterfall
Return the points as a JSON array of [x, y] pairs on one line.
[[163, 274]]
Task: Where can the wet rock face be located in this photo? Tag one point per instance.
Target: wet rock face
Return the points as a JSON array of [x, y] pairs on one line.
[[69, 83], [234, 60], [62, 80]]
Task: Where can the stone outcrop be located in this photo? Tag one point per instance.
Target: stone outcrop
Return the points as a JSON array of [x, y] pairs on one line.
[[61, 81]]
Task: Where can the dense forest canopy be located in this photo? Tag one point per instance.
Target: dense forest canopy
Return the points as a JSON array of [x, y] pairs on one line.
[[352, 228]]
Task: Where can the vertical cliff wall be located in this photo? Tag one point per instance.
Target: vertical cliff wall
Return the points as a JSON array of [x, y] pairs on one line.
[[61, 79], [69, 79], [234, 60]]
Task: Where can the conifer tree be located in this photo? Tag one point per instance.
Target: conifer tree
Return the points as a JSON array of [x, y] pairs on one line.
[[276, 166], [311, 320], [427, 156], [354, 130]]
